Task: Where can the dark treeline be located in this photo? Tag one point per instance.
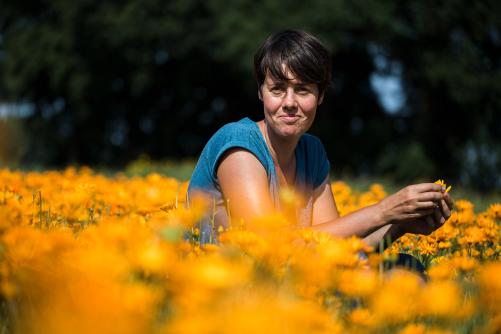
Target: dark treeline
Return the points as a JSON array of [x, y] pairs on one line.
[[109, 80]]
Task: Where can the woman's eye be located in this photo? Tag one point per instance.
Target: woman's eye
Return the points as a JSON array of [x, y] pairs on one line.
[[302, 90], [276, 90]]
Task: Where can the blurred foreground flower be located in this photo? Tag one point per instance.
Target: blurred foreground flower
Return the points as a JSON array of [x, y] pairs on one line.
[[82, 253]]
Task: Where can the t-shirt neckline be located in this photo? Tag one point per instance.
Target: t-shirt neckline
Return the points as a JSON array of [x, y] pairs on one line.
[[299, 162]]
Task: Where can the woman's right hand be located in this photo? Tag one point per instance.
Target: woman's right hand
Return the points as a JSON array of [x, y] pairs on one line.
[[412, 202]]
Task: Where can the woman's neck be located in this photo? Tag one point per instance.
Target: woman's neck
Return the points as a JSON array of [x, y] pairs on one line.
[[282, 151]]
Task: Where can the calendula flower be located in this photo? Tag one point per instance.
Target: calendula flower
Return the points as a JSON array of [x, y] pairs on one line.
[[441, 299], [442, 183], [81, 252]]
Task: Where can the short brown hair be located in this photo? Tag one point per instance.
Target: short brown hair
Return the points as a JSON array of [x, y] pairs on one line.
[[301, 53]]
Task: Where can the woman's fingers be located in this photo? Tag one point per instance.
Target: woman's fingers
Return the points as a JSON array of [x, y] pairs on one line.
[[448, 199], [430, 196], [424, 226], [426, 205], [430, 200], [438, 217], [446, 205], [417, 201], [446, 212], [419, 214], [430, 222], [426, 187]]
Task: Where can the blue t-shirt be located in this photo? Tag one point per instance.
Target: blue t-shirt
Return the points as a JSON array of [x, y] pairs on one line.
[[312, 167]]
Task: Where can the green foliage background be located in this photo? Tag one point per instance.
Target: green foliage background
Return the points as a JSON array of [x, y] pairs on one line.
[[109, 80]]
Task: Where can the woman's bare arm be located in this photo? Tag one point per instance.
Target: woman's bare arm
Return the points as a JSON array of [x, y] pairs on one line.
[[243, 180], [244, 184], [326, 216], [382, 222]]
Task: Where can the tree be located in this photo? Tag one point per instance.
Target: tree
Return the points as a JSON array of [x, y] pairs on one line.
[[110, 80]]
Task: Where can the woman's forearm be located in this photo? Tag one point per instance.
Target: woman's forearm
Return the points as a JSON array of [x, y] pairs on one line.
[[383, 237], [367, 223], [360, 223]]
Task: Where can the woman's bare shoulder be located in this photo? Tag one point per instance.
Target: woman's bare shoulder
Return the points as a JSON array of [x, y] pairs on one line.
[[239, 162]]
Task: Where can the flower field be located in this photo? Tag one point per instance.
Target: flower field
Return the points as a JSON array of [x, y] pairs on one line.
[[85, 253]]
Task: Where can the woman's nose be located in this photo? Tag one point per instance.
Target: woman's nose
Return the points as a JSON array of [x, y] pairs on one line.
[[290, 99]]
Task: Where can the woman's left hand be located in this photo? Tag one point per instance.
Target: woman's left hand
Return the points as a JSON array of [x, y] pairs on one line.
[[426, 225]]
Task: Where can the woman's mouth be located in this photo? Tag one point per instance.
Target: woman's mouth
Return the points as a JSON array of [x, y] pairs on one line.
[[289, 118]]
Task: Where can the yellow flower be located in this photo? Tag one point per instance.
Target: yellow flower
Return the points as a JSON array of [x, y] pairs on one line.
[[413, 329], [357, 283], [494, 210], [442, 183], [390, 304], [80, 253], [361, 317], [462, 205], [490, 286], [440, 298], [155, 258], [473, 235], [421, 329], [489, 252]]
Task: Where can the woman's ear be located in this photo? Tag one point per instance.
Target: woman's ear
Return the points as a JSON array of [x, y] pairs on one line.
[[259, 94], [321, 99]]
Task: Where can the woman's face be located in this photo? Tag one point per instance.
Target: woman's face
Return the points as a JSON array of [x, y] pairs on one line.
[[289, 106]]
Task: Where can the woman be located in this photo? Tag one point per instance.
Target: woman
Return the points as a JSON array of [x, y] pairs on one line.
[[245, 164]]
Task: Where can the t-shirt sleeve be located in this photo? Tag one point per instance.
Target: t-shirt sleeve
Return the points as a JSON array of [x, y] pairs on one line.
[[234, 137], [221, 149], [322, 164]]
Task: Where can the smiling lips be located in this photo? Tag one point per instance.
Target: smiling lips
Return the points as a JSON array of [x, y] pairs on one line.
[[289, 118]]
